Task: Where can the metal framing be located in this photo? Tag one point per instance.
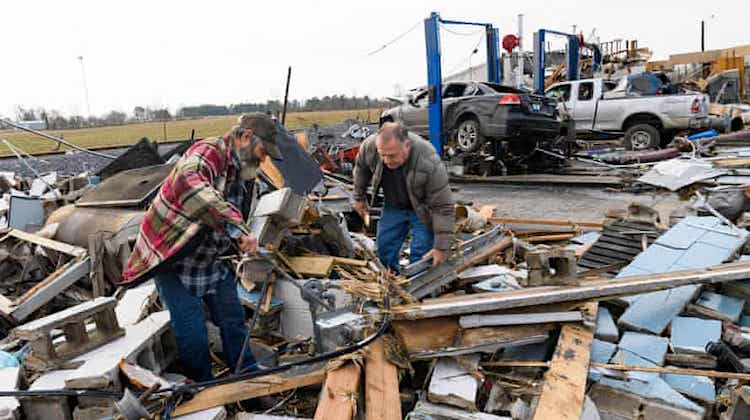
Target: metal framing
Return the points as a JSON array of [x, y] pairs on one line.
[[574, 43], [435, 75]]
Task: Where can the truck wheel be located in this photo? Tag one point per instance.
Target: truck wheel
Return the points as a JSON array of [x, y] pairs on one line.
[[468, 136], [641, 137]]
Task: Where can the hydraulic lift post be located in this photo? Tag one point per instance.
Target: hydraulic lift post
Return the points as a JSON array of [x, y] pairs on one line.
[[574, 43], [435, 75]]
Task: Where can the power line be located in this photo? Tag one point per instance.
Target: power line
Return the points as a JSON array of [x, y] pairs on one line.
[[394, 40], [445, 28]]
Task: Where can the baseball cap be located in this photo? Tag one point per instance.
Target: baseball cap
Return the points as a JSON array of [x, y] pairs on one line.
[[265, 129]]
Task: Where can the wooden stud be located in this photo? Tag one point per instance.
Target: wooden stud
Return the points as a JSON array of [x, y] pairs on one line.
[[338, 398], [252, 388], [564, 387], [382, 401]]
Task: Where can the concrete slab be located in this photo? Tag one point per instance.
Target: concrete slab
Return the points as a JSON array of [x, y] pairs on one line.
[[695, 242], [617, 399], [602, 351], [727, 306], [652, 312], [10, 378], [605, 326], [452, 383], [690, 335], [648, 346], [700, 388]]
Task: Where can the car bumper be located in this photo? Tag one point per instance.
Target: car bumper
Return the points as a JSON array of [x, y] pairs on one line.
[[699, 122], [521, 126]]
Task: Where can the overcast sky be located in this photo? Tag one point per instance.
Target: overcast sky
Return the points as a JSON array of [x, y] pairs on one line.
[[170, 53]]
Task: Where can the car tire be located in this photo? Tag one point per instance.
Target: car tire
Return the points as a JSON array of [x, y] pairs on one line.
[[468, 135], [642, 137]]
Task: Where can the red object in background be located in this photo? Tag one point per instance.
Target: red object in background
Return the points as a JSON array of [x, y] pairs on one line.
[[510, 41], [333, 159]]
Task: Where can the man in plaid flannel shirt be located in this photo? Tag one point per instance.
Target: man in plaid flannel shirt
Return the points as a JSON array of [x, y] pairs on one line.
[[193, 221]]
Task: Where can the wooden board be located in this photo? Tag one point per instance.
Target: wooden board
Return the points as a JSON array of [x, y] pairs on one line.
[[547, 222], [382, 400], [312, 266], [595, 289], [564, 386], [51, 286], [252, 388], [445, 336], [47, 243], [539, 179], [350, 261], [339, 394]]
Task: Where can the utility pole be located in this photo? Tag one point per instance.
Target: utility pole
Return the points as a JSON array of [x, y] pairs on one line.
[[703, 35], [85, 87], [286, 95], [519, 67]]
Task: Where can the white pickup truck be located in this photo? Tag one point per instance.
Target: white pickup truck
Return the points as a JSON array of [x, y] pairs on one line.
[[601, 106]]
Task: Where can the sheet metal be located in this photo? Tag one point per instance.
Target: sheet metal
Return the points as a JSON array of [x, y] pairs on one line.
[[131, 188], [75, 224]]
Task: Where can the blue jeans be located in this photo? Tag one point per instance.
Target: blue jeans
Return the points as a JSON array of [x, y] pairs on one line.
[[189, 323], [393, 227]]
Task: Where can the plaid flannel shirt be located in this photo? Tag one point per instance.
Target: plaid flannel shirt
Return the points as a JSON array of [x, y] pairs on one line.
[[200, 269], [191, 198]]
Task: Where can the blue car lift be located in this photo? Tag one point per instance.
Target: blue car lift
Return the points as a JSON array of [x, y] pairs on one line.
[[435, 75], [574, 43]]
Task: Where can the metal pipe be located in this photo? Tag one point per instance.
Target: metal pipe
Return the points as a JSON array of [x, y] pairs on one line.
[[56, 139]]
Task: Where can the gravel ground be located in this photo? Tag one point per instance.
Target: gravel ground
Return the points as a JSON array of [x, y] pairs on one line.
[[558, 202]]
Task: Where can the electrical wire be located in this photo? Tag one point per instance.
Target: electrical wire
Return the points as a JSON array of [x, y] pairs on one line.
[[178, 391], [394, 40], [472, 33]]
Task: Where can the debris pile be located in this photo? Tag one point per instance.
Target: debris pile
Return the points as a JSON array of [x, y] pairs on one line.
[[636, 315]]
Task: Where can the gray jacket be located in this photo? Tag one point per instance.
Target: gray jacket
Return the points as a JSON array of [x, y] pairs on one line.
[[426, 183]]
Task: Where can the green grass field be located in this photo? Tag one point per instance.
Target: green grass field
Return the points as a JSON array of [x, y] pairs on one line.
[[125, 135]]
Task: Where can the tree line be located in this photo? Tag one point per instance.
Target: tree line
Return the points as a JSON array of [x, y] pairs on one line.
[[55, 120]]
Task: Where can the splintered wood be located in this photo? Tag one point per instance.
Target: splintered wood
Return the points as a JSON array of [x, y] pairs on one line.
[[565, 382], [338, 398]]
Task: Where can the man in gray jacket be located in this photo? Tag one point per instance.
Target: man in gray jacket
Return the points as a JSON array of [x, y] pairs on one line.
[[416, 190]]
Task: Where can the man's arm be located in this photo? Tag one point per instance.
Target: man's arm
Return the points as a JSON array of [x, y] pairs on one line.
[[441, 205], [199, 198], [362, 175]]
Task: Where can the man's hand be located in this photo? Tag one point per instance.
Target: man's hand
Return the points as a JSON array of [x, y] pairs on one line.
[[438, 256], [248, 244], [364, 212]]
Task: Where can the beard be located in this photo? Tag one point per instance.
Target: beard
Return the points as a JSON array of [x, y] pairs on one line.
[[248, 162]]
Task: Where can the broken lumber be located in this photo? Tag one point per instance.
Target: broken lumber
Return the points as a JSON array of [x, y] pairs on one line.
[[338, 398], [46, 243], [484, 302], [571, 223], [319, 266], [252, 388], [382, 400], [564, 386], [51, 286], [447, 338], [517, 363], [675, 371]]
